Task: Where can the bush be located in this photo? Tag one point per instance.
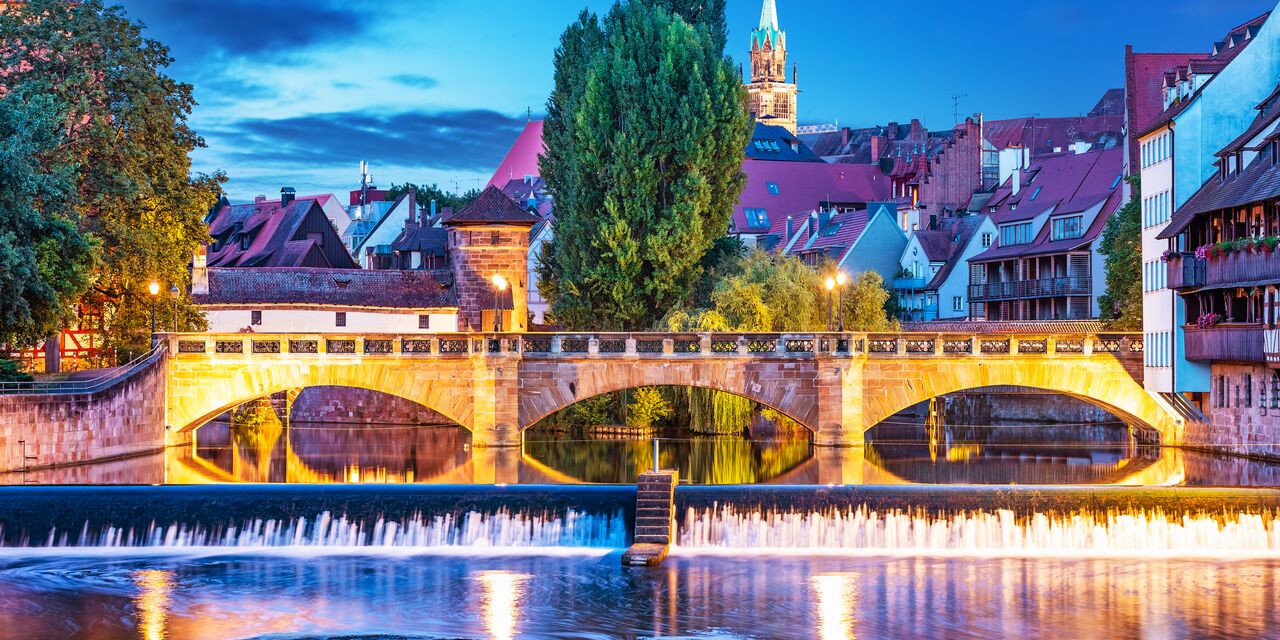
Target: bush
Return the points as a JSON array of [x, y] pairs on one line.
[[647, 407], [9, 372]]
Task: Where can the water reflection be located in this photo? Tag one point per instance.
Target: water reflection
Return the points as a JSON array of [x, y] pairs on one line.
[[152, 601], [501, 592], [837, 600]]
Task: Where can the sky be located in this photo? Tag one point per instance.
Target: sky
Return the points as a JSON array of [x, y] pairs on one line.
[[298, 92]]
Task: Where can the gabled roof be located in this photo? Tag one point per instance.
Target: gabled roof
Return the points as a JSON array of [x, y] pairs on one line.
[[958, 233], [336, 287], [492, 207], [274, 230], [1045, 136], [1146, 85], [1258, 181], [522, 159], [772, 142], [802, 187]]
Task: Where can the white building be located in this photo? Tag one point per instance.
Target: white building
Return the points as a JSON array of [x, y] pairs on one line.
[[1161, 310], [933, 283]]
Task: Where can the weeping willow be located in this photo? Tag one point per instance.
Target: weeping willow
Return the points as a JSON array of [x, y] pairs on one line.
[[717, 412]]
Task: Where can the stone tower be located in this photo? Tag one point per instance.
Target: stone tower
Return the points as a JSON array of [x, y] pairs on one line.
[[490, 237], [772, 99]]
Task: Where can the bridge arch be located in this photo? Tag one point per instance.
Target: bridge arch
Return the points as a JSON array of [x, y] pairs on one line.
[[1101, 381], [547, 389]]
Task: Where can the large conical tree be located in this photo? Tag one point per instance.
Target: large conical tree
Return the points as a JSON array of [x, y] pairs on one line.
[[644, 160]]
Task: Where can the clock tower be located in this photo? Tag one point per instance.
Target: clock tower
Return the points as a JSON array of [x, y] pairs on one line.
[[772, 100]]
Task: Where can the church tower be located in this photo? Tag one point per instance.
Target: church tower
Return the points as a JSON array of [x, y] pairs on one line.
[[772, 100]]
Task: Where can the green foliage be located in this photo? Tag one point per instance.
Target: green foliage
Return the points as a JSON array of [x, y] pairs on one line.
[[866, 303], [741, 304], [581, 416], [1121, 305], [126, 138], [45, 260], [645, 139], [705, 14], [10, 372], [647, 408], [427, 193]]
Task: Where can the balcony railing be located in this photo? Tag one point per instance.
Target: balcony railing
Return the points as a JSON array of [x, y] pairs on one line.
[[1225, 343], [1019, 289], [908, 284], [1186, 271]]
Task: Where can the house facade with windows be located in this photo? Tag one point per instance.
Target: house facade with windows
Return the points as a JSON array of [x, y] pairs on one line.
[[932, 282], [1045, 263]]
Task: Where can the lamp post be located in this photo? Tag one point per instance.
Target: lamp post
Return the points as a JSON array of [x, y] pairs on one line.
[[499, 286], [174, 294], [831, 284], [841, 280], [154, 289]]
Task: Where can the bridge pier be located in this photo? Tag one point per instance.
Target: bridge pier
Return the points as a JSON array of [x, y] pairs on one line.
[[840, 411], [495, 417]]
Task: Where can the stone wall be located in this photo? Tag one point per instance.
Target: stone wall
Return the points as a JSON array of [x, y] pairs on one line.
[[1243, 410], [1028, 407], [478, 254], [124, 419], [350, 405]]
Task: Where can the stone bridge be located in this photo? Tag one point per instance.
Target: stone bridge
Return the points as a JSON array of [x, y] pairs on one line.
[[837, 385]]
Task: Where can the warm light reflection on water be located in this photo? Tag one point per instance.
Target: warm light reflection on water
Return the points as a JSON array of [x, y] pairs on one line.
[[837, 596], [155, 587], [501, 592]]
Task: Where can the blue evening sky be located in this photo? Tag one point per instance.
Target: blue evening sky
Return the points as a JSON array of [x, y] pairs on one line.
[[298, 92]]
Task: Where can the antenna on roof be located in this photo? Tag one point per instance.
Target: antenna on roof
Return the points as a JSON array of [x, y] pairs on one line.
[[528, 117], [955, 105]]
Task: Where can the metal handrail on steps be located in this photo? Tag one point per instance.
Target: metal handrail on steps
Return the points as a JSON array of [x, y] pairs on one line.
[[91, 385]]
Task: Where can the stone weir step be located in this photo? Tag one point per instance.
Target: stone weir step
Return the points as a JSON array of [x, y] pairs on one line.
[[655, 524]]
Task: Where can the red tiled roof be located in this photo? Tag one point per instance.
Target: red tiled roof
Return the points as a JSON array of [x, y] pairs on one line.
[[522, 159], [1043, 135], [990, 327], [1146, 85], [332, 287], [959, 233], [492, 206], [803, 187], [274, 231]]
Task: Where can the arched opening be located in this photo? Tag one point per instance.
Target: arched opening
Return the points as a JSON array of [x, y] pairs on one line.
[[327, 434], [1012, 435], [711, 436]]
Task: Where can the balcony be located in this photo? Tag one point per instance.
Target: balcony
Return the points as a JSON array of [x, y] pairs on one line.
[[1021, 289], [1271, 347], [1186, 271], [908, 284], [1225, 343], [1238, 268]]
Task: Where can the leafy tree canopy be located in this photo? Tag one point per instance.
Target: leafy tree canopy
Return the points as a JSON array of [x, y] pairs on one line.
[[1121, 305], [442, 198]]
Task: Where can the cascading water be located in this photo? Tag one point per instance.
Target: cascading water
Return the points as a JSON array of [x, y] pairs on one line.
[[861, 530], [467, 530]]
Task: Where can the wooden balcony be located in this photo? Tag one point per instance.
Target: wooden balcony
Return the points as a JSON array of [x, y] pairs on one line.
[[1186, 271], [1020, 289], [1225, 343], [1271, 347]]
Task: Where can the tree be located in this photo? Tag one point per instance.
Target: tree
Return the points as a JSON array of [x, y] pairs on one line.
[[643, 160], [428, 193], [45, 260], [1121, 304], [647, 408], [706, 14], [125, 132], [865, 300]]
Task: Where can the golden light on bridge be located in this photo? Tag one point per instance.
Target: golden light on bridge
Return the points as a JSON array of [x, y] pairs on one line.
[[502, 592], [153, 602]]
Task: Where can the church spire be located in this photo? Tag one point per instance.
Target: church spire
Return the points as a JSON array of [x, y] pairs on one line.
[[769, 15]]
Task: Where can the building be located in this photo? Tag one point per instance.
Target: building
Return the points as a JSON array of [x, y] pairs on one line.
[[771, 99], [932, 282], [1179, 105], [780, 193], [779, 144], [373, 245], [854, 240], [436, 279], [290, 232], [1045, 263], [1224, 264]]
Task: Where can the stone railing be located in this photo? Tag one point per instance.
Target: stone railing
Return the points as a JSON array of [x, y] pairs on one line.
[[654, 345]]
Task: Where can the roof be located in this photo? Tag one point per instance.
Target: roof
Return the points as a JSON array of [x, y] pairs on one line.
[[522, 158], [802, 187], [1069, 183], [946, 244], [1045, 136], [274, 232], [1146, 85], [989, 327], [1258, 181], [839, 233], [772, 142], [332, 287], [426, 240], [492, 206]]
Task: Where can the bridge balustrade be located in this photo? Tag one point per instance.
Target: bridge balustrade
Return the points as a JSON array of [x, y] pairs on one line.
[[657, 345]]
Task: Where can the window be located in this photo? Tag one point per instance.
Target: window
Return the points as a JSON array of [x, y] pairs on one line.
[[1011, 234], [773, 189], [424, 322], [986, 240], [1115, 183], [1248, 391], [1066, 228], [1036, 193], [757, 218], [255, 318], [340, 319], [832, 229], [957, 303]]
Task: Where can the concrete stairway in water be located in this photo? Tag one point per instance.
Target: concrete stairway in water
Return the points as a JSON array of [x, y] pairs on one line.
[[655, 524]]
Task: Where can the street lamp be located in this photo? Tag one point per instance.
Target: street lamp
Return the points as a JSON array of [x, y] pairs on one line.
[[174, 294], [841, 280], [831, 284], [500, 285], [154, 288]]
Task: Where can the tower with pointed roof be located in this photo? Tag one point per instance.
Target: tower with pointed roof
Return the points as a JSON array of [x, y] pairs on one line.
[[771, 99]]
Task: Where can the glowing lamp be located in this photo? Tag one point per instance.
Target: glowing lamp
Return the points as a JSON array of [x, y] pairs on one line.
[[154, 288], [841, 278], [831, 283], [500, 282]]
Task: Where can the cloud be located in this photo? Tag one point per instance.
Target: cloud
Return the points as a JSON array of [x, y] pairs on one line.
[[199, 30], [458, 140], [414, 80]]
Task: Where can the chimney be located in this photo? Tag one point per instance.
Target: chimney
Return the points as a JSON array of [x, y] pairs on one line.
[[813, 225], [369, 262], [199, 272], [1017, 181], [917, 130], [877, 148], [892, 131], [791, 228], [259, 199], [844, 137], [824, 217], [287, 195], [413, 204]]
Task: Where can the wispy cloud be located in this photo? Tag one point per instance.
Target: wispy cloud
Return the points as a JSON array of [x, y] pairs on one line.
[[414, 80]]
